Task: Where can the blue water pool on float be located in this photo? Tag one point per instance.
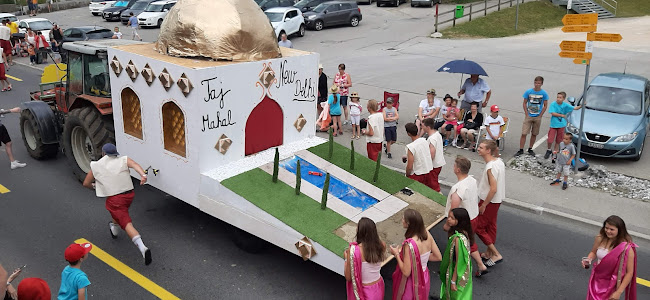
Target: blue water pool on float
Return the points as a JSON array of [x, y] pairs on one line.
[[338, 188]]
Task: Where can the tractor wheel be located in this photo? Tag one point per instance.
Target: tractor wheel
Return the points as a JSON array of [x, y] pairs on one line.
[[33, 139], [84, 133], [246, 241]]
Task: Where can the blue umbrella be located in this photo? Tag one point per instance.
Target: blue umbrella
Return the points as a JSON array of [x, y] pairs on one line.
[[463, 66]]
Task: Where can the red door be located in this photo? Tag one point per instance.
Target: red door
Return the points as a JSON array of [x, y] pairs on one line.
[[264, 127]]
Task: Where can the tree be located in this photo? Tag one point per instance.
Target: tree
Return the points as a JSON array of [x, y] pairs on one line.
[[276, 164], [331, 143], [374, 178], [326, 187], [298, 177], [351, 155]]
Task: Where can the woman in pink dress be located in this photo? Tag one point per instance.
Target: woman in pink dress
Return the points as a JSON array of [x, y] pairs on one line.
[[411, 277], [362, 263], [344, 82], [614, 260]]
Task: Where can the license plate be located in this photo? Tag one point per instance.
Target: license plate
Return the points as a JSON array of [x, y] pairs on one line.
[[596, 145]]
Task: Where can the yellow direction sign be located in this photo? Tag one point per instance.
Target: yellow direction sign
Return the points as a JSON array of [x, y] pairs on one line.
[[604, 37], [576, 54], [579, 28], [579, 61], [573, 46], [580, 19]]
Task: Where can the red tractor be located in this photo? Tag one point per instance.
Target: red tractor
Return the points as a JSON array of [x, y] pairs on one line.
[[75, 113]]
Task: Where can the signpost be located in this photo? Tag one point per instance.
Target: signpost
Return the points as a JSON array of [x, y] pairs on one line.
[[581, 52]]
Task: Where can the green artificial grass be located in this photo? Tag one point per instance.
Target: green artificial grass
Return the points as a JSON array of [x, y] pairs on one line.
[[298, 211], [533, 16], [428, 192], [364, 168]]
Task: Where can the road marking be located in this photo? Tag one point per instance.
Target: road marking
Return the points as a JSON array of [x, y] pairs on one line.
[[642, 281], [540, 141], [3, 189], [144, 282], [14, 78]]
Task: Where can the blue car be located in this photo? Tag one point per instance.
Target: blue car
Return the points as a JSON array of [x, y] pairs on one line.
[[617, 116]]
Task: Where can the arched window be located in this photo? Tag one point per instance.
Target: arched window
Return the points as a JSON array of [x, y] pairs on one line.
[[173, 128], [131, 113]]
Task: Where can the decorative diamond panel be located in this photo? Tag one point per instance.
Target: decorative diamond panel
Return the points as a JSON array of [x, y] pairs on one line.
[[185, 84], [300, 123], [116, 66], [267, 77], [131, 70], [223, 144], [166, 79], [305, 248], [147, 74]]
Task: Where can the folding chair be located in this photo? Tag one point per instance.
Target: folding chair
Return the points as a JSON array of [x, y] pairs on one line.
[[482, 132], [395, 96]]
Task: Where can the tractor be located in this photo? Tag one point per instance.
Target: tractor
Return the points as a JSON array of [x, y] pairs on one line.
[[72, 112]]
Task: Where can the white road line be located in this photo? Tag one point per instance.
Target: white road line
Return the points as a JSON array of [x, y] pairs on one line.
[[540, 141]]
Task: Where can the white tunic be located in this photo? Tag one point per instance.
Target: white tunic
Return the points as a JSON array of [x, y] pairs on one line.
[[436, 140], [112, 175], [422, 163], [498, 170], [467, 190], [376, 121]]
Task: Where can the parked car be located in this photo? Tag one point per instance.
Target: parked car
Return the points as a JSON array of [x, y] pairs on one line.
[[617, 116], [96, 7], [428, 3], [266, 4], [36, 24], [287, 20], [10, 17], [391, 2], [84, 33], [366, 2], [155, 13], [308, 5], [333, 13], [136, 9], [113, 13]]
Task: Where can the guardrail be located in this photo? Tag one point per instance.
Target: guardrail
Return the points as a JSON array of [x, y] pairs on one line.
[[473, 10], [610, 3]]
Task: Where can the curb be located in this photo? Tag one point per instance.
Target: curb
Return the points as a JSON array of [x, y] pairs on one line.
[[539, 210]]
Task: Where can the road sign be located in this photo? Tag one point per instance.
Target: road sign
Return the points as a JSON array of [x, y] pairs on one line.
[[579, 28], [604, 37], [576, 54], [580, 19], [573, 46], [579, 61]]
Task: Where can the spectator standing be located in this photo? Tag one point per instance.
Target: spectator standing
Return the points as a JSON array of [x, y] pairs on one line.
[[418, 156], [284, 41], [436, 148], [428, 108], [112, 180], [535, 104], [6, 139], [56, 36], [464, 194], [491, 189], [390, 125], [5, 42], [34, 8], [355, 115], [374, 130], [9, 291], [116, 33], [133, 22], [471, 124], [559, 111], [30, 36], [322, 89], [456, 266], [344, 82], [49, 6], [74, 282], [563, 162], [13, 28], [494, 125], [614, 271], [363, 262], [334, 101], [475, 89], [32, 54]]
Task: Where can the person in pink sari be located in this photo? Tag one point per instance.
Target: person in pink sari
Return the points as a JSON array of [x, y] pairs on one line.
[[363, 262], [411, 277], [614, 259]]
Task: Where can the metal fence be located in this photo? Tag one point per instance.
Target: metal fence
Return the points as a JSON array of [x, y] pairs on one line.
[[473, 9]]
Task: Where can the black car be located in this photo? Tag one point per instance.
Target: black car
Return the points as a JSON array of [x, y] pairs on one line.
[[266, 4], [308, 5], [113, 13], [136, 9]]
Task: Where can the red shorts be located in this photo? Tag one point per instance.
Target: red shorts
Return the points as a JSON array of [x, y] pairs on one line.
[[2, 72], [6, 47], [486, 228], [433, 179], [474, 222], [118, 205], [423, 179], [373, 150], [556, 134]]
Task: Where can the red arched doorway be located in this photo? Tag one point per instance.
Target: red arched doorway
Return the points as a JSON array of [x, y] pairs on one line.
[[264, 127]]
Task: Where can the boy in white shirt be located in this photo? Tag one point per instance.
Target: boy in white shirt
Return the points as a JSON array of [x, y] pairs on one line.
[[418, 156], [494, 123], [117, 34], [436, 148]]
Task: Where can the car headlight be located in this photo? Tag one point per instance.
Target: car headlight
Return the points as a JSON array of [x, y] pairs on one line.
[[626, 137], [572, 129], [311, 17]]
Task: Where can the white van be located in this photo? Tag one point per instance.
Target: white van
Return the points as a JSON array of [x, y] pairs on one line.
[[154, 14]]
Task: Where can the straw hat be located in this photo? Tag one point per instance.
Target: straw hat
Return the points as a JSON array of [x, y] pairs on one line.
[[354, 95], [334, 89]]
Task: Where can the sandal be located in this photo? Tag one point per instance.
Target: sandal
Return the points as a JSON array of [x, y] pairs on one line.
[[490, 263], [481, 273], [3, 90], [9, 88]]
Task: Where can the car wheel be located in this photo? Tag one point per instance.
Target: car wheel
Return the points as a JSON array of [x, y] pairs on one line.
[[638, 156], [301, 30], [319, 25], [378, 5], [354, 21], [159, 23]]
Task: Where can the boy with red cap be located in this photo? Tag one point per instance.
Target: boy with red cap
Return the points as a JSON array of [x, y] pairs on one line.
[[73, 280], [34, 289], [493, 124]]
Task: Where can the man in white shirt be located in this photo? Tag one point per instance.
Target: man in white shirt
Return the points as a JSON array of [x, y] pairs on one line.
[[418, 156], [374, 130], [428, 108], [437, 156], [491, 189], [112, 180], [465, 194], [474, 89], [284, 42]]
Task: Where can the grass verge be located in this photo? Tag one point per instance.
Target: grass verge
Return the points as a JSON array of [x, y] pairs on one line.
[[533, 16], [630, 8]]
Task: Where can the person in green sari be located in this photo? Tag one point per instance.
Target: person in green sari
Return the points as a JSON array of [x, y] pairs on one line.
[[456, 266]]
